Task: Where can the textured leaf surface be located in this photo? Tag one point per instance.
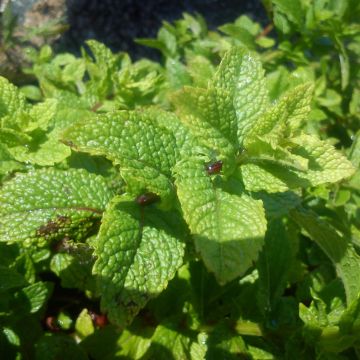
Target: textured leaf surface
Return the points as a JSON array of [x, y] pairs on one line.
[[271, 122], [33, 297], [286, 115], [298, 107], [24, 134], [11, 99], [308, 162], [11, 137], [145, 152], [185, 142], [210, 116], [7, 163], [336, 247], [228, 229], [326, 164], [266, 151], [136, 257], [48, 151], [256, 178], [43, 113], [74, 267], [241, 74], [51, 204]]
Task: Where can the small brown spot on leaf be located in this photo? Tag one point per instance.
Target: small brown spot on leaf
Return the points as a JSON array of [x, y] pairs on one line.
[[53, 226], [96, 106], [68, 143]]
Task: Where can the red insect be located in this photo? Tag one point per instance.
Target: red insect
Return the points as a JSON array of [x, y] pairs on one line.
[[52, 323], [214, 167], [99, 320], [147, 198]]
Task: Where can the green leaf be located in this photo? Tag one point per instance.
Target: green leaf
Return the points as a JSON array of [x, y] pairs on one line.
[[24, 264], [136, 257], [24, 134], [243, 35], [355, 151], [74, 267], [105, 60], [298, 107], [169, 41], [278, 160], [270, 123], [241, 74], [7, 162], [344, 62], [176, 74], [134, 344], [305, 161], [44, 151], [198, 349], [103, 344], [9, 279], [256, 178], [287, 115], [349, 326], [336, 247], [74, 71], [35, 117], [53, 347], [326, 164], [331, 337], [278, 204], [349, 319], [292, 9], [168, 343], [101, 71], [274, 264], [42, 113], [228, 229], [84, 325], [210, 117], [201, 70], [10, 137], [146, 153], [11, 336], [31, 92], [11, 99], [224, 344], [33, 297], [51, 204], [165, 42], [187, 144]]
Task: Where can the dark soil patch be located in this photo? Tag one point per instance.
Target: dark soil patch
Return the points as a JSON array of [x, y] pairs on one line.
[[118, 22]]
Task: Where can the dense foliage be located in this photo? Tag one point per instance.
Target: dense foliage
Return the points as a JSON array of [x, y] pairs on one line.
[[204, 207]]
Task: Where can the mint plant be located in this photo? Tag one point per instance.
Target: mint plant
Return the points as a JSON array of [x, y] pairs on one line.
[[207, 206], [96, 230]]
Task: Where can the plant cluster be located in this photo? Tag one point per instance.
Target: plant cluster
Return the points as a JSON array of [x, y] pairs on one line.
[[203, 207]]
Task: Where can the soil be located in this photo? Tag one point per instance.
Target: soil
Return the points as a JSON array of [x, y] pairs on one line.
[[117, 22]]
